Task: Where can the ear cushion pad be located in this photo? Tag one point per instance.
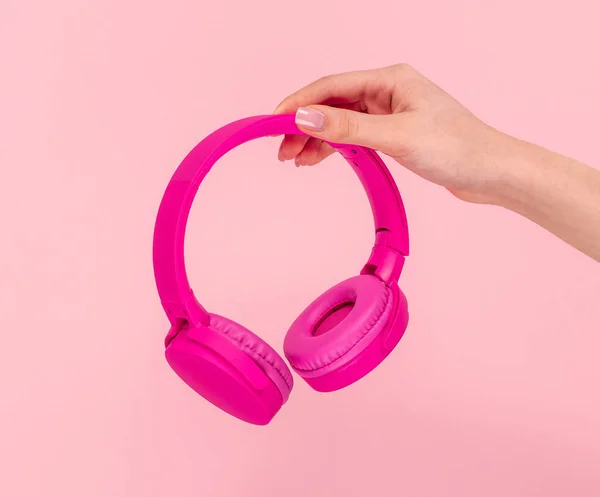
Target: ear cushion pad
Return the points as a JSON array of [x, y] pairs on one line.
[[262, 353], [313, 353]]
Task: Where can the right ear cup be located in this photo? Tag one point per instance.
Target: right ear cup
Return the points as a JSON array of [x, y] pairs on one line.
[[346, 332], [232, 368]]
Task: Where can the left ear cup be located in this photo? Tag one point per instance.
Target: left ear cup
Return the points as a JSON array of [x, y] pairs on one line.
[[346, 332], [232, 368], [259, 350]]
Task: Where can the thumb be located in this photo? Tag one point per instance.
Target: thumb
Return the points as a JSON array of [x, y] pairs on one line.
[[346, 126]]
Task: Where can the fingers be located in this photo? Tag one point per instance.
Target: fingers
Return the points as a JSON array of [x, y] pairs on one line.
[[372, 92], [348, 127], [291, 146], [313, 152], [335, 89], [305, 150]]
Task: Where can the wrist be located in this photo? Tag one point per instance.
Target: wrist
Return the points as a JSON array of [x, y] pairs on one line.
[[508, 170]]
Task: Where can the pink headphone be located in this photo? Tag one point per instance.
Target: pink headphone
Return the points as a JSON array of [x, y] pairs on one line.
[[341, 337]]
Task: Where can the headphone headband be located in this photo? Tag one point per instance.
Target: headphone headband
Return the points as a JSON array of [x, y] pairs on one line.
[[391, 231]]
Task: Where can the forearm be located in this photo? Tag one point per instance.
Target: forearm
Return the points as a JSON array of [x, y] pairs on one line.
[[556, 192]]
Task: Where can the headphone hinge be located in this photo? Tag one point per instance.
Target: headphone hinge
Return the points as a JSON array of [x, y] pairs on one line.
[[190, 311], [384, 262]]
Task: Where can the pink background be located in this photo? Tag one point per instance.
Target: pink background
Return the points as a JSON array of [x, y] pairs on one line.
[[494, 389]]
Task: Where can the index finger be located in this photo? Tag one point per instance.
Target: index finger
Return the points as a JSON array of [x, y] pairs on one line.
[[335, 89]]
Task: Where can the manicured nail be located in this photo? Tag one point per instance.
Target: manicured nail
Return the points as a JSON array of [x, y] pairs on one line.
[[310, 118]]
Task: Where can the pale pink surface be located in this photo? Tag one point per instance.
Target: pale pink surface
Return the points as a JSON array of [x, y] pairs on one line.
[[493, 390]]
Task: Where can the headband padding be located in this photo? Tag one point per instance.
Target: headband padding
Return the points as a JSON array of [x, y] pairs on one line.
[[261, 352], [314, 352]]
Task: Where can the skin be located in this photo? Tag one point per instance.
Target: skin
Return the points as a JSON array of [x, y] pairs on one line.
[[399, 112]]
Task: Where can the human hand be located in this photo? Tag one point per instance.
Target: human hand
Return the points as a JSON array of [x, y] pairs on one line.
[[400, 113]]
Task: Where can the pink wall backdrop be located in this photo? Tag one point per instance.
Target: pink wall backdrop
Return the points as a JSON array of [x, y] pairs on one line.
[[494, 389]]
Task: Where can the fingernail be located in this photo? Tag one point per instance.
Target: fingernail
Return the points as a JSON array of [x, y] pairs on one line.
[[310, 118]]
